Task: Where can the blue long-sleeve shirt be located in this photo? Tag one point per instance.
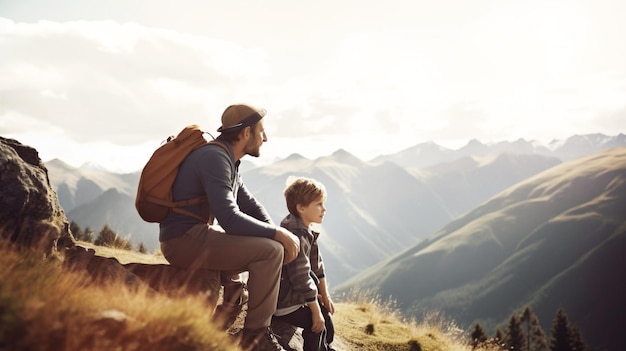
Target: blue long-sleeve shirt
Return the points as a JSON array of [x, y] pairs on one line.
[[212, 172]]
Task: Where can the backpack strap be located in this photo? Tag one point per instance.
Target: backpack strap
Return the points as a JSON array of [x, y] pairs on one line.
[[176, 206]]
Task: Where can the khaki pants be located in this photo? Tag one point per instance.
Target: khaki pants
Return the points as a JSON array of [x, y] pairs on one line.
[[208, 247]]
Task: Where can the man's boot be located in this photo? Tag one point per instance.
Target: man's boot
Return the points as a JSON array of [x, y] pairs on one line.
[[261, 339], [234, 298]]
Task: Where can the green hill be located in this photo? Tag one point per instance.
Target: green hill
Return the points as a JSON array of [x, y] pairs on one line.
[[554, 240]]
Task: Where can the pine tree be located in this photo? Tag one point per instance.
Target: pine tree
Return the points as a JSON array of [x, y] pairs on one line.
[[478, 336], [498, 335], [536, 339], [498, 338], [577, 342], [142, 248], [561, 338], [106, 237], [88, 235], [125, 243], [514, 338]]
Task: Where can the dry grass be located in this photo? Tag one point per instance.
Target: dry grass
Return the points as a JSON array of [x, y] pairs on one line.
[[43, 307], [125, 256], [375, 326]]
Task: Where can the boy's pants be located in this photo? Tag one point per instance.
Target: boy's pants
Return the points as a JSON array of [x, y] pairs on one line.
[[303, 318], [209, 247]]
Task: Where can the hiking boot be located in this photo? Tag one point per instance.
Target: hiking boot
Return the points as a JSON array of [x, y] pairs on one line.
[[235, 293], [226, 314], [261, 339], [234, 298]]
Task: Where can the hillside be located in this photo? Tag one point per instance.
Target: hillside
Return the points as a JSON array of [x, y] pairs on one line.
[[465, 183], [46, 307], [77, 186], [57, 295], [366, 213], [361, 226], [376, 209], [554, 240], [118, 211]]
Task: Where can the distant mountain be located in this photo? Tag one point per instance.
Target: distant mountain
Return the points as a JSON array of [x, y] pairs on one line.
[[376, 209], [429, 154], [554, 240], [93, 197], [118, 211], [77, 186], [370, 207], [466, 182]]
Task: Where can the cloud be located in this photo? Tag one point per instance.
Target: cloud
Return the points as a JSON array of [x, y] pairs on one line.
[[117, 82], [369, 78]]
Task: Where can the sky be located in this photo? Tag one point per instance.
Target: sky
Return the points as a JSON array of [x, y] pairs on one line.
[[105, 82]]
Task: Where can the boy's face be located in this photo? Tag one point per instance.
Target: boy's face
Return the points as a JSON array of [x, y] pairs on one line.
[[313, 212]]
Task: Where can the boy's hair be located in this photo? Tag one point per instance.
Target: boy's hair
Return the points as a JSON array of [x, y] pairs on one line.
[[302, 191]]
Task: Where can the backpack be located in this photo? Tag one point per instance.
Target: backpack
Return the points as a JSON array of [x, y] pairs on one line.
[[154, 194]]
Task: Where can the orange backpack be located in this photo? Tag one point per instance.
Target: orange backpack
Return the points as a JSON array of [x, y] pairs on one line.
[[154, 194]]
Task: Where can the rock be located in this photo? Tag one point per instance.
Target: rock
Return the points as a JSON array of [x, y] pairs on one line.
[[110, 323], [31, 217], [30, 214], [104, 270], [161, 278], [101, 270], [170, 279], [289, 337], [78, 258]]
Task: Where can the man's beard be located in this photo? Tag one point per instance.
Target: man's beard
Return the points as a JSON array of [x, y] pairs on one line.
[[254, 153], [253, 149]]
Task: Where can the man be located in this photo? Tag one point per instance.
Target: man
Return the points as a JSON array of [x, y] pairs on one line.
[[246, 238]]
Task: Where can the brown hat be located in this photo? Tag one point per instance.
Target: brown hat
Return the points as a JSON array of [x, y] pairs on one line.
[[240, 116]]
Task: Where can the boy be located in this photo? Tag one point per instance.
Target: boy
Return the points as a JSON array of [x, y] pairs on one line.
[[303, 299]]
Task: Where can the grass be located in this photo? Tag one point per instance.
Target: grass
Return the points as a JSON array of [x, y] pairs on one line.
[[368, 323], [45, 307], [125, 256]]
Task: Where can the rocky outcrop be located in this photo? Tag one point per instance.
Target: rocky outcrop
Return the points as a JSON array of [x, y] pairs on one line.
[[169, 279], [31, 217], [30, 214]]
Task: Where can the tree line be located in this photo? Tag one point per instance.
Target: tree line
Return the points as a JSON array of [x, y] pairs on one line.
[[105, 237], [524, 332]]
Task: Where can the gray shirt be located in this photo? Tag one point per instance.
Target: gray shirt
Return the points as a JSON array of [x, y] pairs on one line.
[[299, 278], [210, 171]]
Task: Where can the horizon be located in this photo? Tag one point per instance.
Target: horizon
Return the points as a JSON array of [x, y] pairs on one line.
[[264, 161], [86, 81]]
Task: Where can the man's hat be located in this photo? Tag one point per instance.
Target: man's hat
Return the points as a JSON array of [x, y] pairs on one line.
[[240, 116]]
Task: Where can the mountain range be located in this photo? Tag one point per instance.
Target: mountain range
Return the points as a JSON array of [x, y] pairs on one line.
[[429, 153], [376, 208], [556, 239], [451, 230]]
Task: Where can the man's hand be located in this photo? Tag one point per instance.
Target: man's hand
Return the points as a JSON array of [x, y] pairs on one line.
[[290, 242]]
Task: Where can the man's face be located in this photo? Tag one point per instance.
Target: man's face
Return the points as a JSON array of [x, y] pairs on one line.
[[256, 139]]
